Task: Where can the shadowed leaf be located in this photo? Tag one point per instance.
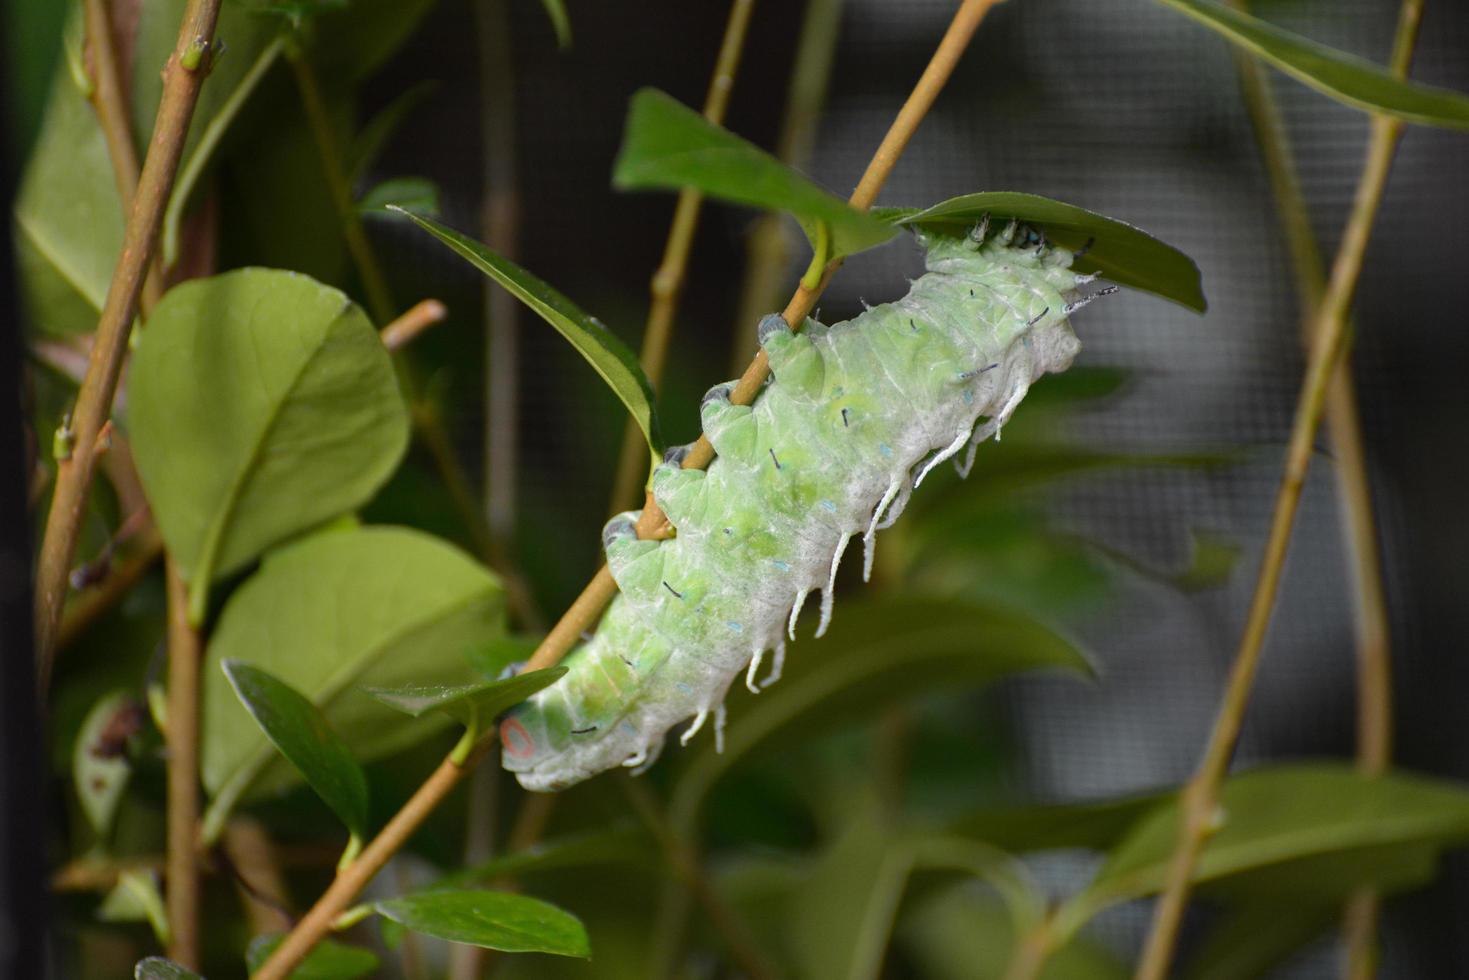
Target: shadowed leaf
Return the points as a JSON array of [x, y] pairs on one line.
[[329, 960], [302, 734], [1124, 254], [472, 705], [666, 144], [1343, 76]]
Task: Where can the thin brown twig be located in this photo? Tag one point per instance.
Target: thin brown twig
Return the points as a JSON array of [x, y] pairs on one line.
[[406, 328], [1200, 796], [182, 740], [182, 78], [767, 251], [668, 280], [1354, 491], [109, 99], [588, 606]]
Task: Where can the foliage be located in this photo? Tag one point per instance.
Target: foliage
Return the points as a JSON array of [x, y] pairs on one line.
[[307, 485]]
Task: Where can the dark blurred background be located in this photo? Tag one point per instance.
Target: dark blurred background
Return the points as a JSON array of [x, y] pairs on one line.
[[1120, 107]]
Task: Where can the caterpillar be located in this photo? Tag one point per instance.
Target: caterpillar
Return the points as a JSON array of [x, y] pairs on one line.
[[852, 419]]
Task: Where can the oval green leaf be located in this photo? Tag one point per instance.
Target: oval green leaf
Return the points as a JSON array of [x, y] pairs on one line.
[[668, 145], [100, 766], [1343, 76], [379, 605], [303, 735], [472, 705], [607, 355], [329, 960], [261, 404], [1120, 252], [494, 920], [1287, 814]]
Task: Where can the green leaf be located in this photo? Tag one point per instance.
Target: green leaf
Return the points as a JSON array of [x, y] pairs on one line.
[[136, 898], [302, 734], [1120, 252], [877, 652], [472, 705], [495, 920], [380, 606], [329, 960], [666, 144], [556, 11], [491, 660], [607, 355], [1343, 76], [1325, 813], [100, 764], [261, 403], [403, 193], [158, 968], [1212, 559], [1255, 937]]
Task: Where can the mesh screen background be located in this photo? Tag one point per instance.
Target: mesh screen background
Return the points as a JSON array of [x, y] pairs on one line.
[[1128, 109]]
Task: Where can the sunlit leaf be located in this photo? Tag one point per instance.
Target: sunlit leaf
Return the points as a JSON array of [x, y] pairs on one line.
[[380, 606], [495, 920], [303, 735], [1124, 254], [472, 705], [100, 764], [1343, 76], [609, 356], [136, 898], [666, 144], [328, 960], [261, 404]]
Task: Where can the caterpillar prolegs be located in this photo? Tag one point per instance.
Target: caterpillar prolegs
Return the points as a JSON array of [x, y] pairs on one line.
[[852, 419]]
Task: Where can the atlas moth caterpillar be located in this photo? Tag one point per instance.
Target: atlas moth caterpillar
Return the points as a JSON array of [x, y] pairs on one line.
[[855, 415]]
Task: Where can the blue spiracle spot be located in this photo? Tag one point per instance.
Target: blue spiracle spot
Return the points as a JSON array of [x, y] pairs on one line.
[[781, 564], [628, 727], [684, 688], [885, 449], [737, 627], [968, 397], [828, 506]]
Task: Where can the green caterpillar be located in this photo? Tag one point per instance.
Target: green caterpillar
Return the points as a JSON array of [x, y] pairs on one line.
[[855, 415]]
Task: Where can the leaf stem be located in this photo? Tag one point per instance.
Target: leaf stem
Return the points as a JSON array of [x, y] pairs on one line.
[[94, 401], [1354, 491], [588, 606], [667, 282], [419, 317], [182, 741], [1201, 795]]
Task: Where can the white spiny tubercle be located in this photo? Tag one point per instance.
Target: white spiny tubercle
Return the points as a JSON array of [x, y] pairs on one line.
[[796, 612], [829, 594], [637, 758], [939, 457], [777, 664], [693, 729], [753, 669]]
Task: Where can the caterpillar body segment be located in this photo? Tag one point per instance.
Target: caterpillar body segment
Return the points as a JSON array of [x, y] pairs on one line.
[[827, 454]]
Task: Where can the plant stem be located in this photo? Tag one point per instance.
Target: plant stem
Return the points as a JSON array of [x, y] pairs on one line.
[[109, 99], [689, 869], [1354, 492], [374, 285], [419, 317], [94, 401], [1200, 796], [182, 740], [667, 282], [767, 252], [588, 606]]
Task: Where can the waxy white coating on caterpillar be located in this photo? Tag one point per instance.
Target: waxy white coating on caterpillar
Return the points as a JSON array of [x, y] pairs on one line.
[[853, 417]]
